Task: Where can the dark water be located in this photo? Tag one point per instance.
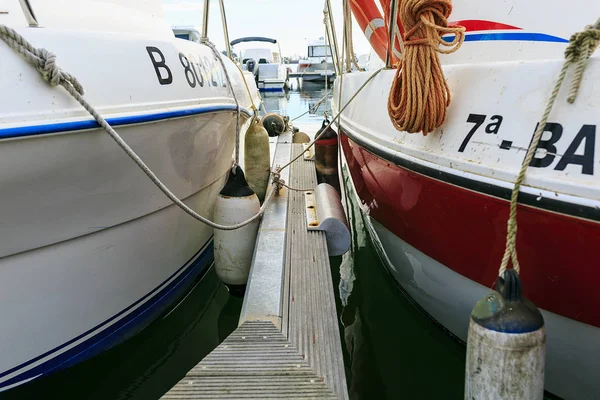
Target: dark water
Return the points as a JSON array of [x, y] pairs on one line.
[[391, 350], [147, 365]]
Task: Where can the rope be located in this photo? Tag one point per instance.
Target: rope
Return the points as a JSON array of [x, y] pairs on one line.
[[237, 104], [295, 189], [315, 106], [324, 129], [396, 33], [328, 41], [340, 78], [253, 106], [330, 34], [45, 62], [420, 95], [580, 48], [345, 46], [348, 26]]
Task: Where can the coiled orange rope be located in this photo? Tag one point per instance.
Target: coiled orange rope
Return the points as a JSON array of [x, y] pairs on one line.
[[420, 95]]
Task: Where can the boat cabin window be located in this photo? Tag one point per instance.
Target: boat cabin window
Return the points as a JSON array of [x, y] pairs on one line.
[[318, 51], [264, 56], [185, 34]]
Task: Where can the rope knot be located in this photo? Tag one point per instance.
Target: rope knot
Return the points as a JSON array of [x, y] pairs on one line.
[[53, 74], [426, 22], [43, 60], [277, 181], [582, 44], [48, 68]]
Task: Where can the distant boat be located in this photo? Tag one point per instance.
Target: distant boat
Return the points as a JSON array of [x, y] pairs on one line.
[[364, 61], [91, 250], [264, 63], [318, 65], [187, 33]]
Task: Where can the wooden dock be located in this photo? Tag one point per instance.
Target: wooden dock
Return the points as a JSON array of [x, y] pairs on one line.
[[287, 344]]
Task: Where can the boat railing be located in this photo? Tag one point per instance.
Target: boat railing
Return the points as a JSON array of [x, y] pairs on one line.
[[204, 36]]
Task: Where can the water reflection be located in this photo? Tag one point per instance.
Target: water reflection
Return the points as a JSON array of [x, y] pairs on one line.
[[149, 364], [391, 350], [299, 100]]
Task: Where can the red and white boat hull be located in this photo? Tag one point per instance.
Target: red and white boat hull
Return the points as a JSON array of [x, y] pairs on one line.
[[438, 204], [442, 242]]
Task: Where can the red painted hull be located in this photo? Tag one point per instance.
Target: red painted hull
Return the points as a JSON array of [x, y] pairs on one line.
[[465, 230]]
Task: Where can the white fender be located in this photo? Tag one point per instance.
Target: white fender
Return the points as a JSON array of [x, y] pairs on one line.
[[234, 248], [506, 346]]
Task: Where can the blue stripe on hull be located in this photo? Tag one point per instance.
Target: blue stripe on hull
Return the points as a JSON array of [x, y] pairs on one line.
[[154, 304], [117, 121], [271, 89], [520, 36]]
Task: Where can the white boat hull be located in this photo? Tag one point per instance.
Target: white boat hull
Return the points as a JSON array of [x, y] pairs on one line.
[[74, 299], [91, 250], [318, 77], [438, 203], [271, 85], [107, 251]]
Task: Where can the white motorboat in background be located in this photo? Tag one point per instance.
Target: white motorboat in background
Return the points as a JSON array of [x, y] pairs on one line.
[[264, 63], [364, 61], [91, 250], [318, 64]]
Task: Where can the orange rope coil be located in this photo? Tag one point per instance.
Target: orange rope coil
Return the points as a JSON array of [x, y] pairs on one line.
[[420, 95]]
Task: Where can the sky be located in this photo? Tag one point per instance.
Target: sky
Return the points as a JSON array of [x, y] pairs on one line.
[[292, 23]]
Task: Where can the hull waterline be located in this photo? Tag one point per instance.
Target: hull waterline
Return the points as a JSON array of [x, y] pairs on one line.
[[444, 293]]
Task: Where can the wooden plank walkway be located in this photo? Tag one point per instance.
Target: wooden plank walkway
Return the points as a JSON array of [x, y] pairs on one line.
[[287, 344]]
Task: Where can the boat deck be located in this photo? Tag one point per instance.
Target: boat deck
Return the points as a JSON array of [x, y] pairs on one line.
[[287, 344]]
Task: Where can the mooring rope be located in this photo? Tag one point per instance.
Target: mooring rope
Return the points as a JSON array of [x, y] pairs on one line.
[[580, 48], [217, 55], [45, 62], [348, 37], [314, 107], [324, 129], [252, 106], [420, 94]]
